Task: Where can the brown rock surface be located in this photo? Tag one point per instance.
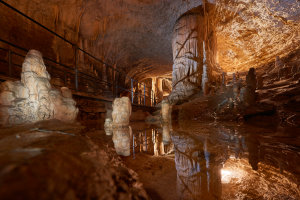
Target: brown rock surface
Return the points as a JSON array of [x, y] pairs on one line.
[[54, 160]]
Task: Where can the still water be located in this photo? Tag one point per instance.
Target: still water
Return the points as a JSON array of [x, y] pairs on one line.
[[219, 160]]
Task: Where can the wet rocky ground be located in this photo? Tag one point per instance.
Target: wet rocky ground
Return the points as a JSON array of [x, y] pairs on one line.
[[185, 160], [53, 160]]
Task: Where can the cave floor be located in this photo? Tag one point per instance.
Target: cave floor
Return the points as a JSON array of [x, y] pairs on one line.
[[208, 160]]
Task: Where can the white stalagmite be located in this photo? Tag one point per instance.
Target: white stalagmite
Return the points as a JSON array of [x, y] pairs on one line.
[[121, 111], [33, 99]]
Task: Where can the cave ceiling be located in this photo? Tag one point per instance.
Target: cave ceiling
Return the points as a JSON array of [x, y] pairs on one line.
[[136, 34]]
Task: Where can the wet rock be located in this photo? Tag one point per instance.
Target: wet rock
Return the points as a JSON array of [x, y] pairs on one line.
[[33, 99], [85, 167]]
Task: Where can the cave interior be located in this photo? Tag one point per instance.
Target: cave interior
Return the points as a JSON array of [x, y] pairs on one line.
[[150, 99]]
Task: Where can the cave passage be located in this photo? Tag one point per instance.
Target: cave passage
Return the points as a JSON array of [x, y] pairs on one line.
[[150, 99]]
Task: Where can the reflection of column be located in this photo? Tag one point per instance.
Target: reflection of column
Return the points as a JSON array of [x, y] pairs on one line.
[[121, 139], [159, 89], [166, 110], [166, 134], [108, 122], [154, 91], [198, 171], [254, 151]]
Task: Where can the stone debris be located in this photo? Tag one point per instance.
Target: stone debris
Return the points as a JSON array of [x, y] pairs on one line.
[[33, 99]]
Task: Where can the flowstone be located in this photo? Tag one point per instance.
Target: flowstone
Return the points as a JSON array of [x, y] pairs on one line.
[[32, 99]]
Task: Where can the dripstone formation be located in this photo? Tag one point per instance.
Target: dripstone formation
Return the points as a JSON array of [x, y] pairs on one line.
[[33, 99], [121, 111]]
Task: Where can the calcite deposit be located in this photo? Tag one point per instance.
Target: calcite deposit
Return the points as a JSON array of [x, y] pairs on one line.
[[121, 111], [33, 99]]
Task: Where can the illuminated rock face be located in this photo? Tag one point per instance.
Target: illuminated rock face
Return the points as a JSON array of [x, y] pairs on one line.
[[186, 57], [121, 111], [33, 99]]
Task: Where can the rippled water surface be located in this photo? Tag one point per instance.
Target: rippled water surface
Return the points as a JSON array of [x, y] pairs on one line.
[[213, 160]]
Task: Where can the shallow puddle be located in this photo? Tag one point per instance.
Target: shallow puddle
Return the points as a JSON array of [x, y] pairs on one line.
[[201, 160]]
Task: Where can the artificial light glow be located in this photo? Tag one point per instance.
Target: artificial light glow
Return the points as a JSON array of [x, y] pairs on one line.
[[233, 171], [226, 175]]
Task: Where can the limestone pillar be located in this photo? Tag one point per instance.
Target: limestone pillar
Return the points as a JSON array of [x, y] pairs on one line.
[[194, 54]]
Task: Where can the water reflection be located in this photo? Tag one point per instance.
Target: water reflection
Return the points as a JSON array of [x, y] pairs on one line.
[[121, 138], [221, 161]]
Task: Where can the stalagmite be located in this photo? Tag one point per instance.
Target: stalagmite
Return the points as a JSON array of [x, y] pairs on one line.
[[33, 99], [121, 111]]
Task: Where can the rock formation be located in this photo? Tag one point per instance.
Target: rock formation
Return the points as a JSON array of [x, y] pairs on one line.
[[121, 111], [186, 56], [194, 55], [32, 99]]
